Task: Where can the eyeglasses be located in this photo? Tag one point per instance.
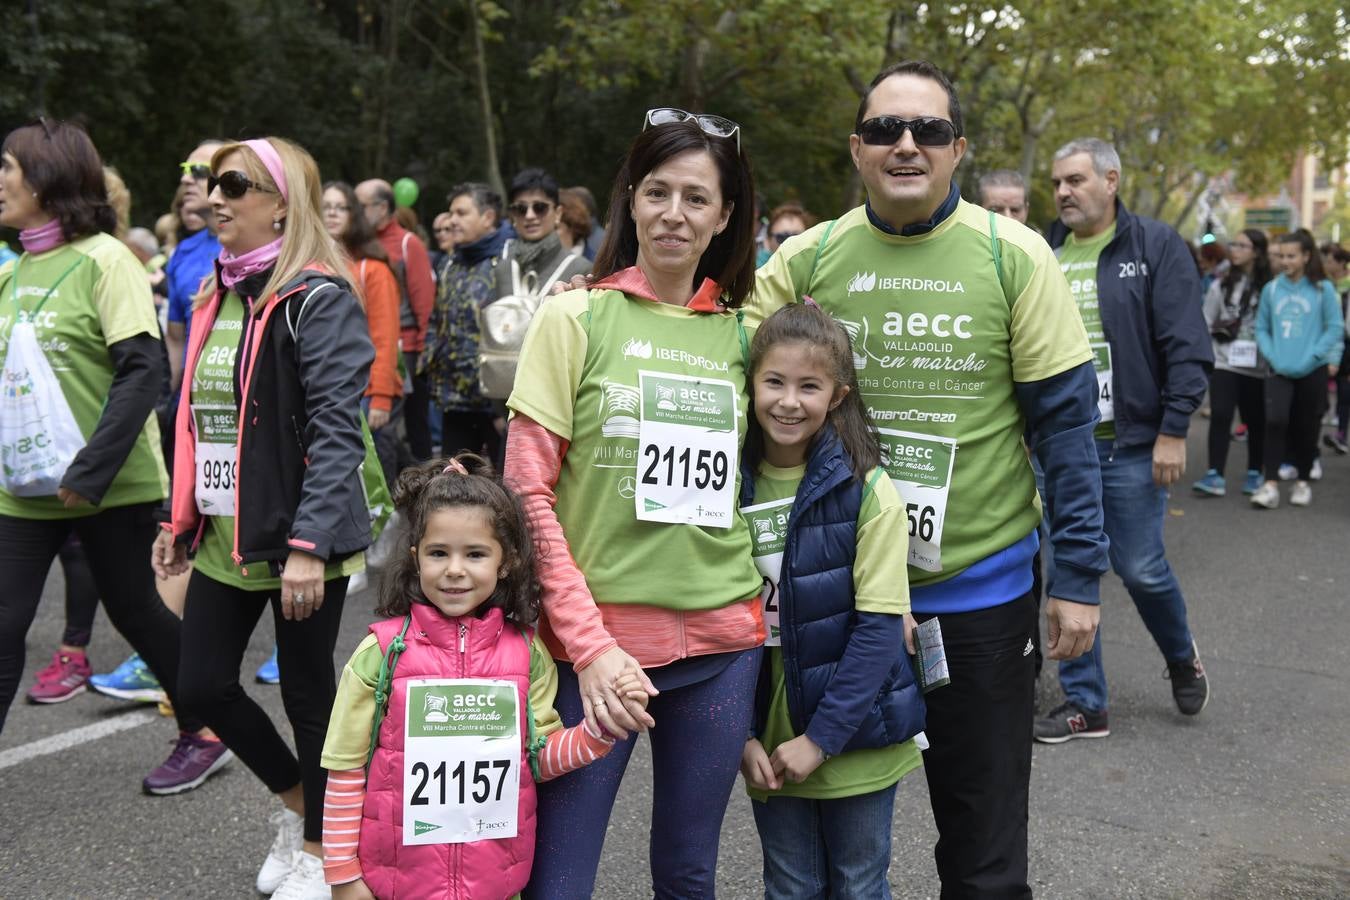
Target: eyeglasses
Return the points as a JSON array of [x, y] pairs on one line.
[[335, 208], [928, 131], [539, 207], [234, 184], [713, 125], [199, 171], [780, 236]]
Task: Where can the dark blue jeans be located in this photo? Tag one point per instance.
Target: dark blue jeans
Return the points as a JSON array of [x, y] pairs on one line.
[[696, 753], [1134, 508], [828, 849]]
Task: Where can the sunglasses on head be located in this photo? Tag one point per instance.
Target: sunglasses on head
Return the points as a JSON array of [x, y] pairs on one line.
[[199, 171], [234, 184], [928, 131], [713, 125], [523, 209]]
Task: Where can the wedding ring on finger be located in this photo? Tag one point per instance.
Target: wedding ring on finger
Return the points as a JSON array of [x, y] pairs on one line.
[[299, 599], [598, 701]]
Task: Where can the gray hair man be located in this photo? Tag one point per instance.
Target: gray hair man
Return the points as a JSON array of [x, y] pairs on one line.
[[1136, 286], [1005, 192]]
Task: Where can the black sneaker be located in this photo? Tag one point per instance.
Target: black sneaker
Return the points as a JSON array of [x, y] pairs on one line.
[[1067, 722], [1190, 687], [1336, 442]]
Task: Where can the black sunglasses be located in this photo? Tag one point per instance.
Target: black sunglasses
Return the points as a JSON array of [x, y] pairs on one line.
[[199, 171], [928, 131], [540, 207], [713, 125], [234, 184], [780, 236]]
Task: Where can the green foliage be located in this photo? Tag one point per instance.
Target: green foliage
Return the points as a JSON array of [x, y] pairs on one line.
[[392, 87]]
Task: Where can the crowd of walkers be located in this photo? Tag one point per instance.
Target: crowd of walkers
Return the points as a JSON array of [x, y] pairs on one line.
[[750, 484]]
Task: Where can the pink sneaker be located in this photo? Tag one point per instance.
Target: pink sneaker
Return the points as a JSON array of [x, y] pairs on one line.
[[66, 676]]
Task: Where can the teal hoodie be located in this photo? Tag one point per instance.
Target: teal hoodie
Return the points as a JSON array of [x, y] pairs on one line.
[[1299, 326]]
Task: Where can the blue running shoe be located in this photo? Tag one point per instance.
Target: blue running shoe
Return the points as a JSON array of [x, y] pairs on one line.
[[1253, 482], [132, 680], [268, 673], [1212, 484]]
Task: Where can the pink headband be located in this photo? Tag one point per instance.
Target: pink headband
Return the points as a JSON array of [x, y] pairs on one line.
[[272, 161]]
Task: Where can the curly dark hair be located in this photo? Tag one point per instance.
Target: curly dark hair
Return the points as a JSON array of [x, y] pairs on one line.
[[430, 487]]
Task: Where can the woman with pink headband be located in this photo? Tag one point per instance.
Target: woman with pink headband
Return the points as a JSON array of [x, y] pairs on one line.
[[267, 484]]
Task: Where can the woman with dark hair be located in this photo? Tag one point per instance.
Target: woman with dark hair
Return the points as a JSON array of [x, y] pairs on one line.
[[368, 265], [87, 302], [1239, 371], [271, 502], [1300, 333], [630, 413]]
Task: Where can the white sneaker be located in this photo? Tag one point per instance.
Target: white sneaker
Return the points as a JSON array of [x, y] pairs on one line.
[[305, 881], [1301, 495], [1316, 473], [1288, 472], [1267, 495], [281, 858]]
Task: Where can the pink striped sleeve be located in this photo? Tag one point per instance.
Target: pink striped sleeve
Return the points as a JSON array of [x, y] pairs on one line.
[[533, 461], [342, 804], [570, 749]]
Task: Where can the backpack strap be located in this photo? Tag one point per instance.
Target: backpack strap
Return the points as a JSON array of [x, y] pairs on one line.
[[547, 283], [294, 325], [385, 683], [536, 741], [871, 483], [996, 249], [745, 338], [820, 248]]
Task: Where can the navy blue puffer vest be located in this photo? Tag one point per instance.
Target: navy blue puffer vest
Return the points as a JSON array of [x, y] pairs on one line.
[[816, 613]]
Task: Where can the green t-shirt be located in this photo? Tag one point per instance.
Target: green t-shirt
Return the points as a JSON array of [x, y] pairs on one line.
[[216, 419], [104, 298], [348, 740], [1078, 260], [582, 366], [939, 345], [879, 586]]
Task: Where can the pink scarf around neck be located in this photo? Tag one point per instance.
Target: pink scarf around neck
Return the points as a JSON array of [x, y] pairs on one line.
[[43, 238], [234, 269]]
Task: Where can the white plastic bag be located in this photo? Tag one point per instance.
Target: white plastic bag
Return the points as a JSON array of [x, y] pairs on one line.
[[38, 433]]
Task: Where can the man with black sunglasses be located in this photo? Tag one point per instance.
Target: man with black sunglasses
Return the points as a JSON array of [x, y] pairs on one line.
[[194, 258], [964, 340]]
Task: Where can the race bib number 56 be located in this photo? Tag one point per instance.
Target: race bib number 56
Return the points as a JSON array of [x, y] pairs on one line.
[[687, 443], [921, 467]]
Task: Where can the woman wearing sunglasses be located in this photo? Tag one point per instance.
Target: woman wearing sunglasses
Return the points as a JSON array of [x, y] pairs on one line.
[[267, 490], [92, 315], [537, 253], [630, 410]]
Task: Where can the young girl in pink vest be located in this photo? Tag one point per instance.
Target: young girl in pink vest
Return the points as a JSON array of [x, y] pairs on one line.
[[444, 716]]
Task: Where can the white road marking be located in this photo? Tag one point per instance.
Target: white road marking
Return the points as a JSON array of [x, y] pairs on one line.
[[76, 736]]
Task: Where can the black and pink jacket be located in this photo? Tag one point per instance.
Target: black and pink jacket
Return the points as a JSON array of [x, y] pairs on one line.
[[303, 363]]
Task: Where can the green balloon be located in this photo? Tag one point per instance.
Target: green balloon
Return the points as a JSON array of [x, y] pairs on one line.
[[405, 192]]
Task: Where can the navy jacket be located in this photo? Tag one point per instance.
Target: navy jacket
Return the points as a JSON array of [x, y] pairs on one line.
[[850, 683], [1148, 288]]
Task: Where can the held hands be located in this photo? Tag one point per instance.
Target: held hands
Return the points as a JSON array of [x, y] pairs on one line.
[[1071, 628], [1169, 459], [167, 557], [577, 283], [352, 890], [605, 684], [301, 586]]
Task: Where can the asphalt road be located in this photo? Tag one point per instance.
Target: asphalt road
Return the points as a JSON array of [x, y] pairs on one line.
[[1249, 800]]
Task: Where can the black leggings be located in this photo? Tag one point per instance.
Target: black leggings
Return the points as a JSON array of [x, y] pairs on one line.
[[1294, 409], [116, 545], [81, 595], [472, 431], [415, 414], [1227, 391], [217, 623]]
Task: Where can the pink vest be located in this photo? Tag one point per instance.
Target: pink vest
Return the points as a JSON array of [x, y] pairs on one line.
[[481, 870]]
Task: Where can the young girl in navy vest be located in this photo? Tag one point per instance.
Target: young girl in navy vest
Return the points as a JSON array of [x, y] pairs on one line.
[[419, 803], [838, 705]]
